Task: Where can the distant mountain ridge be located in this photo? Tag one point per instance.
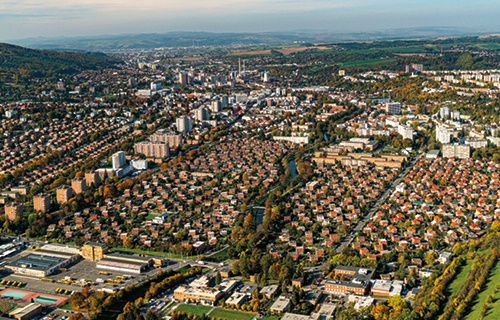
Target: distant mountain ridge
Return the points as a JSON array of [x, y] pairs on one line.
[[23, 62], [188, 39]]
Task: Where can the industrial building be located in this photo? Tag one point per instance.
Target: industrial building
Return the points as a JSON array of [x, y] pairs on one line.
[[41, 263], [27, 312], [125, 263]]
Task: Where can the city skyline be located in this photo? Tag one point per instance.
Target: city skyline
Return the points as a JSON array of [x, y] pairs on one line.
[[56, 18]]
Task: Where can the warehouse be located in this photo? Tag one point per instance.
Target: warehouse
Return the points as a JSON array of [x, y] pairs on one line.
[[121, 265], [41, 263]]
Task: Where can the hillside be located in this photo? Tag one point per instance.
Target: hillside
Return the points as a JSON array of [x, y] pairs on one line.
[[22, 63]]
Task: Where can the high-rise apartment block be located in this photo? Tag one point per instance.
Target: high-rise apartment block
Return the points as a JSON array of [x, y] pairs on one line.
[[118, 160], [455, 150], [443, 112], [41, 202], [63, 194], [152, 149], [224, 101], [92, 178], [393, 108], [201, 114], [183, 79], [443, 135], [13, 211], [78, 185], [216, 106], [184, 124], [173, 139], [94, 251]]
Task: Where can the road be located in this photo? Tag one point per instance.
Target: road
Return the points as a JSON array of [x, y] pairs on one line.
[[380, 201]]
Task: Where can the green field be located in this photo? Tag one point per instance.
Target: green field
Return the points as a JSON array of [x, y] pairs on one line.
[[459, 279], [366, 62], [488, 46], [168, 255], [197, 310], [494, 309], [7, 306], [231, 315]]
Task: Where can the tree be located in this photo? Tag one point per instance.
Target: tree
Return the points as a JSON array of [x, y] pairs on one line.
[[77, 316], [218, 278]]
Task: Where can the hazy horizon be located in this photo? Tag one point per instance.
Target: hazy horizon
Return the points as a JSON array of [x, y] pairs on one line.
[[56, 18]]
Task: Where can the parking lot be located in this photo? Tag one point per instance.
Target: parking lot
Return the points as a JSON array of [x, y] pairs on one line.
[[81, 272]]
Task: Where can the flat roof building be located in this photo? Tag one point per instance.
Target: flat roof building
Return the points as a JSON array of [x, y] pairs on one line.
[[152, 149], [63, 194], [13, 211], [94, 251], [281, 305], [78, 185], [41, 202], [41, 263], [26, 312]]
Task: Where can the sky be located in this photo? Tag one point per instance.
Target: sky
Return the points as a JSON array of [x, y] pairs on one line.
[[54, 18]]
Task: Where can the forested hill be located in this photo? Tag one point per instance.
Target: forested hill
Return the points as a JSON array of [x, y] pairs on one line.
[[24, 62]]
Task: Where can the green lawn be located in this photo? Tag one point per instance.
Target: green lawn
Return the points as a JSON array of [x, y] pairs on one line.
[[66, 306], [197, 310], [231, 315], [459, 279], [494, 309], [168, 255]]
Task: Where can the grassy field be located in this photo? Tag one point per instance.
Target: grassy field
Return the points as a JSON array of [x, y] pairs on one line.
[[7, 306], [459, 279], [231, 315], [219, 256], [366, 62], [154, 253], [494, 309], [198, 310], [488, 46]]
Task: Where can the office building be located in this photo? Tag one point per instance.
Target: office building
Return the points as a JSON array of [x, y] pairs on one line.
[[455, 150], [118, 160], [393, 108], [184, 124], [152, 149], [78, 185], [13, 211], [63, 194], [41, 202], [201, 114], [173, 139]]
